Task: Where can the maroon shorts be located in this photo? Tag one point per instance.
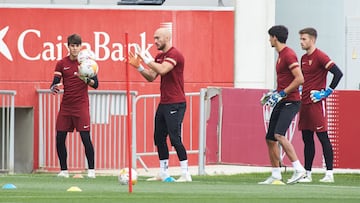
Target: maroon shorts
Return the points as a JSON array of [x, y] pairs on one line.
[[313, 117], [68, 121]]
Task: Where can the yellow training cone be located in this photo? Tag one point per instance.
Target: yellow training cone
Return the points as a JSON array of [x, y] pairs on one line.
[[74, 189], [277, 182]]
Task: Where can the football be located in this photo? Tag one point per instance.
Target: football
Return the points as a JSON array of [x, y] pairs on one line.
[[85, 54], [88, 68], [124, 176]]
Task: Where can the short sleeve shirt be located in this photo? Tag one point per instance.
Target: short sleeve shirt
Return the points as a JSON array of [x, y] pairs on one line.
[[284, 66], [172, 83], [315, 72], [75, 90]]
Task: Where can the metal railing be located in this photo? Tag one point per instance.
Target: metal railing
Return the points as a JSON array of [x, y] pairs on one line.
[[143, 126], [7, 125], [108, 131], [108, 111]]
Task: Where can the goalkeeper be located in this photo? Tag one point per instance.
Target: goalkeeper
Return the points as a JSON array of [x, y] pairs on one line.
[[313, 115], [169, 65], [286, 103], [74, 108]]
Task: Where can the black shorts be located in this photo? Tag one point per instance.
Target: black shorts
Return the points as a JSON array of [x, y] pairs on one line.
[[168, 121], [281, 118]]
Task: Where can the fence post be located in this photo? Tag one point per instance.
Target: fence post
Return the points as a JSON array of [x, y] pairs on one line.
[[202, 133], [133, 126], [12, 134]]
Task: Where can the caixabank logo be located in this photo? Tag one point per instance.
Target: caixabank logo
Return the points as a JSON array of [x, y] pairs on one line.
[[4, 49], [31, 46]]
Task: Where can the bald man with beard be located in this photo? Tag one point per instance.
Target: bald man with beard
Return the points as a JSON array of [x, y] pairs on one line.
[[169, 64]]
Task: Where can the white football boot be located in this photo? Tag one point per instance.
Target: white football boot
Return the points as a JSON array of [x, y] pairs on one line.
[[63, 174], [272, 181], [186, 177], [298, 174], [91, 173], [327, 179]]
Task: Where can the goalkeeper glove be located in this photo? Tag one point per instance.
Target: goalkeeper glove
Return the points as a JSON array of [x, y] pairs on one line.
[[85, 79], [265, 97], [316, 95], [145, 56], [55, 88], [275, 97]]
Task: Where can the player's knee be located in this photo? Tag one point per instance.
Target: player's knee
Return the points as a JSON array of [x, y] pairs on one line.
[[159, 142], [176, 142], [60, 136], [84, 133], [85, 137], [269, 138]]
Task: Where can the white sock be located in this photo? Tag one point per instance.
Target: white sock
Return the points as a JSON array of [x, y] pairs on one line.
[[184, 166], [297, 165], [276, 173], [164, 165], [308, 174], [91, 171], [329, 173]]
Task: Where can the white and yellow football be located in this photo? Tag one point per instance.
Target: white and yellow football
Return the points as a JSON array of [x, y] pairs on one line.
[[85, 54], [88, 68], [123, 176]]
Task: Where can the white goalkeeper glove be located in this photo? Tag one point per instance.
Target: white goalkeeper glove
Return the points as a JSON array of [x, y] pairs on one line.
[[316, 95], [83, 78], [55, 88], [144, 55], [275, 98], [265, 97]]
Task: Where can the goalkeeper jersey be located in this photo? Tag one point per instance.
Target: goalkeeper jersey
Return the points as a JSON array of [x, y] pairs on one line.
[[286, 62], [172, 83], [75, 90], [315, 68]]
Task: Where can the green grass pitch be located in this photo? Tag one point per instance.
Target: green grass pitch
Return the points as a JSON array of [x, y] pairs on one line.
[[233, 188]]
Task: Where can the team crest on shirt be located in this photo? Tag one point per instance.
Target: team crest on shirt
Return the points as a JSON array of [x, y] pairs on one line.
[[310, 62], [279, 59]]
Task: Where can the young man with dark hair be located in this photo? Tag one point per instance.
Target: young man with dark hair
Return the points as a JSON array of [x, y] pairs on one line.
[[74, 108], [285, 101]]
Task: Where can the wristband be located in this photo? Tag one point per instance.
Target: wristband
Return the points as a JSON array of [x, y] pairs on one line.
[[147, 60], [328, 91], [282, 93], [140, 68]]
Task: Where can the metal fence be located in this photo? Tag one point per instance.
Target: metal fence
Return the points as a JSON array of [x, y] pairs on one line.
[[108, 111], [143, 126], [108, 131], [7, 122]]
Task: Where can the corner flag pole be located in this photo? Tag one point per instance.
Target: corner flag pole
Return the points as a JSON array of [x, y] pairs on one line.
[[128, 118]]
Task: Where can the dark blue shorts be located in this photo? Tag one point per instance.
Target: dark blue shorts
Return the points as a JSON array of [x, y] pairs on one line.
[[281, 118]]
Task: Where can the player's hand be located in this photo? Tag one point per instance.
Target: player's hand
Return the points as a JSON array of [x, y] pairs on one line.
[[83, 78], [275, 98], [316, 95], [134, 60], [55, 88], [145, 56], [265, 97]]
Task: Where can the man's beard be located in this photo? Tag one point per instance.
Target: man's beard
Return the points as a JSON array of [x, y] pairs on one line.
[[161, 47]]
